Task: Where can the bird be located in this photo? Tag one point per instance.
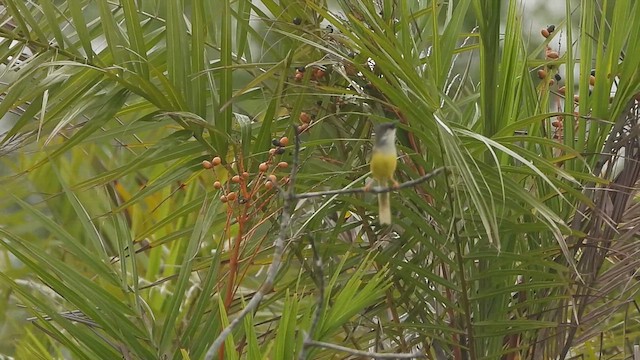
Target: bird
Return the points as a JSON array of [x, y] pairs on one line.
[[383, 166]]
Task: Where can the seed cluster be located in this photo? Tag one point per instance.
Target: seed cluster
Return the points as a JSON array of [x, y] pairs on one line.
[[244, 186], [549, 75], [350, 69]]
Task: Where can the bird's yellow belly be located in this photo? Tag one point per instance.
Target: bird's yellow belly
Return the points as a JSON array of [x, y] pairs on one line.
[[383, 166]]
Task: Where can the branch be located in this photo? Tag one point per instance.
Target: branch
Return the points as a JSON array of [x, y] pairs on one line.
[[319, 277], [365, 354], [272, 271], [375, 190]]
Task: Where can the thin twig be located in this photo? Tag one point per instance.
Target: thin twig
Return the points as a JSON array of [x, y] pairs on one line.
[[374, 190], [367, 354], [319, 277], [272, 271], [464, 297]]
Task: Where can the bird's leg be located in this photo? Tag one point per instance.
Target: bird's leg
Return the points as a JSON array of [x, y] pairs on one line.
[[368, 186]]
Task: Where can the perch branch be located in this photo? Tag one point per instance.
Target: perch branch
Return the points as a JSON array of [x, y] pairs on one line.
[[364, 354], [375, 190]]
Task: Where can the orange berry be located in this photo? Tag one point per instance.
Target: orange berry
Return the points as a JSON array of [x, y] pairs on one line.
[[216, 161], [551, 81], [542, 74], [207, 164], [235, 178], [223, 199], [217, 185], [283, 164], [318, 74], [299, 76], [263, 167], [552, 55], [245, 175], [305, 118], [231, 196], [272, 178], [268, 185], [592, 80], [284, 141], [272, 151], [302, 128], [545, 33]]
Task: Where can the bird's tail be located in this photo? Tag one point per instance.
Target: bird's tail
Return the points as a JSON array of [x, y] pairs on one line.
[[384, 208]]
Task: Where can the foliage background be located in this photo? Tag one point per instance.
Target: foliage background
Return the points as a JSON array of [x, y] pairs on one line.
[[116, 243]]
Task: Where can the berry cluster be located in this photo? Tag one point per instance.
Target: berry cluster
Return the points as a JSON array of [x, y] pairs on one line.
[[549, 54], [317, 73], [243, 183], [305, 121], [248, 196], [545, 73], [546, 32]]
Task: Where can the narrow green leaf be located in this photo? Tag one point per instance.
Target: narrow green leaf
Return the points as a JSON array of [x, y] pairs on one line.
[[136, 38], [27, 21], [200, 231], [115, 42], [106, 113], [49, 10], [177, 54], [198, 63], [224, 116], [79, 22]]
